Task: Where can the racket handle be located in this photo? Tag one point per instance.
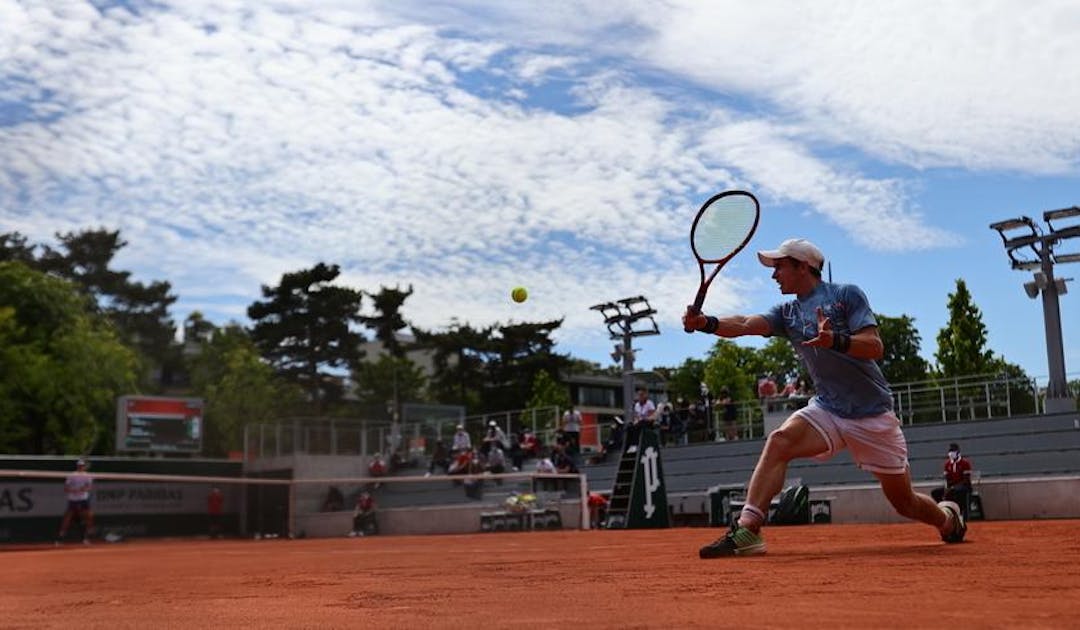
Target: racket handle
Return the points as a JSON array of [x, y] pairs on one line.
[[694, 309]]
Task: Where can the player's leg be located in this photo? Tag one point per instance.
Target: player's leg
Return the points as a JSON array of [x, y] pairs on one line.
[[87, 517], [795, 439], [945, 516], [65, 523]]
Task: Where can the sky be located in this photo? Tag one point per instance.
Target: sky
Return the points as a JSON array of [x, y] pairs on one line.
[[465, 148]]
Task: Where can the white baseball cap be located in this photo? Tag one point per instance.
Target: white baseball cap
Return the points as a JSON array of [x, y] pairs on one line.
[[797, 248]]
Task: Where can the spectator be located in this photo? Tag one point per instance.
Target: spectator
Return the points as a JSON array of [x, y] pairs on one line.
[[597, 509], [215, 506], [957, 480], [460, 463], [614, 442], [680, 421], [530, 446], [364, 523], [494, 437], [377, 467], [496, 461], [563, 461], [474, 484], [545, 466], [789, 389], [571, 428], [440, 457], [731, 415], [766, 387], [462, 441]]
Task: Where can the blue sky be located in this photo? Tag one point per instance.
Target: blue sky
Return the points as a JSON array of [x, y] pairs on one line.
[[468, 147]]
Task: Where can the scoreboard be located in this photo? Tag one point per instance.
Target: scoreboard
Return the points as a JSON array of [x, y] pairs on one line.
[[159, 424]]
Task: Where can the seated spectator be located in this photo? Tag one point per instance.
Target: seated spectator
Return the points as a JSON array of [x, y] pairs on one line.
[[474, 482], [364, 523], [494, 437], [545, 466], [440, 457], [460, 463], [766, 387], [461, 441], [496, 462], [598, 505], [377, 467], [530, 446], [335, 501], [563, 461]]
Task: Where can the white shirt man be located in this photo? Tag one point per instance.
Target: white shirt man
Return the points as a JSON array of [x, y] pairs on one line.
[[462, 441]]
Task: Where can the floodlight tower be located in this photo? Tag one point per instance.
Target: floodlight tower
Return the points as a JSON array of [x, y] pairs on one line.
[[625, 319], [1032, 239]]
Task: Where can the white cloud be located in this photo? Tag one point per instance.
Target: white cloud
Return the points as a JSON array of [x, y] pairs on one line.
[[233, 144]]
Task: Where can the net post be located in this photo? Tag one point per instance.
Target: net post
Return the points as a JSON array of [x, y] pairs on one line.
[[291, 511], [585, 516]]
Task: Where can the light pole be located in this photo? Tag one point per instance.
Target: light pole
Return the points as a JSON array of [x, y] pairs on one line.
[[1027, 238], [625, 319]]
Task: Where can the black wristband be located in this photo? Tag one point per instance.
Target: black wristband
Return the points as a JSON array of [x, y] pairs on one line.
[[841, 342], [711, 324]]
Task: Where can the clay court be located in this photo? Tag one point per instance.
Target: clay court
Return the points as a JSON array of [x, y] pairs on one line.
[[1009, 574]]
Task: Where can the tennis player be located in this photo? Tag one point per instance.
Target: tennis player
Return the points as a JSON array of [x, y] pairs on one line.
[[77, 487], [834, 331]]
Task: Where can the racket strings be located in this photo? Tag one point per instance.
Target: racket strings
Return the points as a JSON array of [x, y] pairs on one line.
[[724, 226]]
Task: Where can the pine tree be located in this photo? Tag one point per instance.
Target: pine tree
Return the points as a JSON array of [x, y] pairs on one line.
[[962, 342]]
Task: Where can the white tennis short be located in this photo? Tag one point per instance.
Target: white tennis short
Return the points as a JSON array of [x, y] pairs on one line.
[[876, 442]]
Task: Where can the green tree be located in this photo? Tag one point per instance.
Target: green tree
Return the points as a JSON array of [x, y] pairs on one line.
[[459, 358], [239, 387], [778, 358], [517, 353], [140, 312], [734, 367], [63, 366], [546, 391], [962, 342], [305, 328], [389, 379], [388, 320], [902, 362], [685, 380]]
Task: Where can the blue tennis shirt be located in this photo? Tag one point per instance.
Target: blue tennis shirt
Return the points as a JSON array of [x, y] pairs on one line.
[[846, 386]]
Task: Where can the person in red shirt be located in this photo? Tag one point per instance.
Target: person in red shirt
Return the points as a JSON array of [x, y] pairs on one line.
[[957, 480], [364, 516], [215, 506]]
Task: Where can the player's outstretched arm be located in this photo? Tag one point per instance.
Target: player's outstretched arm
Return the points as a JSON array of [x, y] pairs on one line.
[[730, 326]]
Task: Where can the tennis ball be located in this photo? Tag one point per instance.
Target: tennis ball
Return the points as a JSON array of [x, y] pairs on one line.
[[519, 294]]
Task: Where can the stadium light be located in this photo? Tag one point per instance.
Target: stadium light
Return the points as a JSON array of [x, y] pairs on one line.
[[625, 319], [1033, 240]]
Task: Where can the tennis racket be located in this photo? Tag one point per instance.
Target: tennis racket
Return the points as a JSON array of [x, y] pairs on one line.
[[722, 227]]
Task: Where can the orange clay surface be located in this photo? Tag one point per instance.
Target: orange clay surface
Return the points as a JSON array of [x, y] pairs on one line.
[[1019, 574]]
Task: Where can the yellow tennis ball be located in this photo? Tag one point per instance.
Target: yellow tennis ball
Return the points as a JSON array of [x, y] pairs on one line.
[[519, 294]]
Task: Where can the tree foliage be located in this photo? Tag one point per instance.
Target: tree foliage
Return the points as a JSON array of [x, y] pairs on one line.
[[902, 362], [62, 367], [239, 388], [734, 367], [492, 368], [304, 326], [139, 312], [962, 342], [388, 320]]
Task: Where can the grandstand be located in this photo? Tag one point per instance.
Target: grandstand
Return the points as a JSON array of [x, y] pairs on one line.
[[1039, 452]]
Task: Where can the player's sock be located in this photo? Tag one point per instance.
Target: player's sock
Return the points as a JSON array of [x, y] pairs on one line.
[[751, 518]]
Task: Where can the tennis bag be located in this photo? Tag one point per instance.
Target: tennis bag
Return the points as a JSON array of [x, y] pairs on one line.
[[793, 507]]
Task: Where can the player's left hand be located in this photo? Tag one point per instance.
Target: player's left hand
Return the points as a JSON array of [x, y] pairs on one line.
[[824, 338]]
